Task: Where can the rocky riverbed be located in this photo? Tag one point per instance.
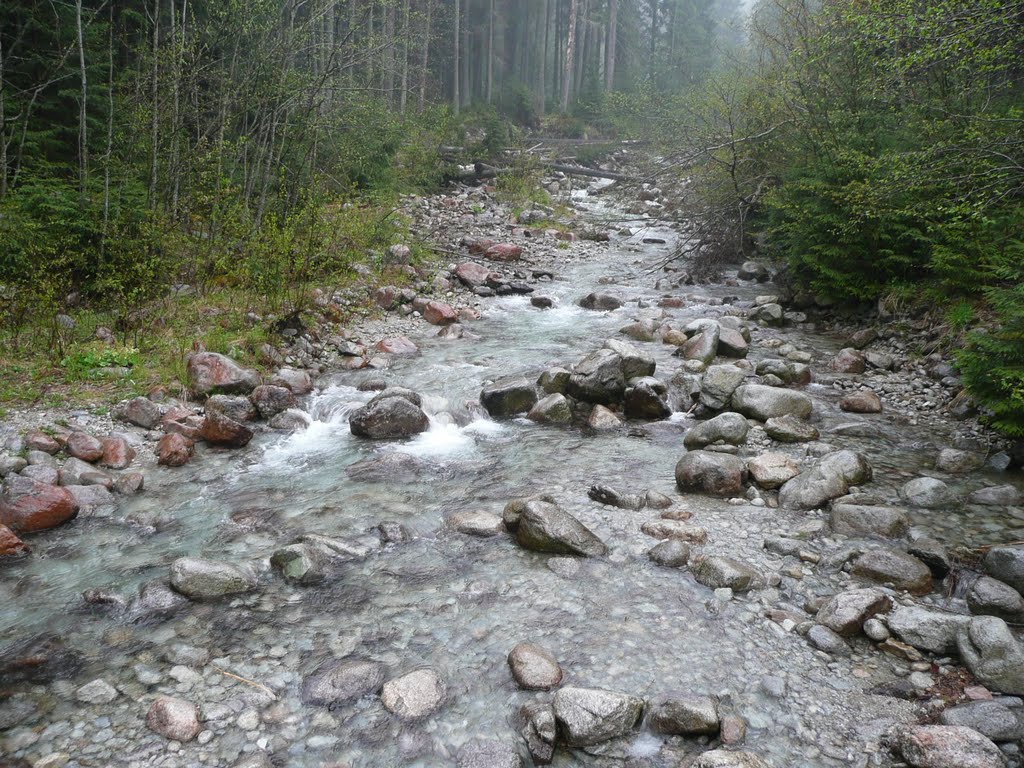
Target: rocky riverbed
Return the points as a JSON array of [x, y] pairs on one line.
[[555, 505]]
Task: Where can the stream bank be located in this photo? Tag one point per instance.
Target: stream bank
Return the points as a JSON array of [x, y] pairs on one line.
[[412, 591]]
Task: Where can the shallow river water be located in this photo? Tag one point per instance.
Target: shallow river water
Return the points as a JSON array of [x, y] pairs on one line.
[[447, 601]]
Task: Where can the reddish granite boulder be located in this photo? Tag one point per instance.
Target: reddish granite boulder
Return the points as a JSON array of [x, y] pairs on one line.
[[117, 454], [85, 447], [472, 274], [11, 545], [220, 430], [397, 345], [174, 450], [40, 441], [209, 372], [504, 252], [439, 313], [27, 506]]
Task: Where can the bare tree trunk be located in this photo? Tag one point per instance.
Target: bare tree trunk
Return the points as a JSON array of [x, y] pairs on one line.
[[425, 57], [611, 51], [405, 57], [178, 50], [353, 19], [3, 125], [570, 54], [388, 56], [490, 53], [83, 136], [369, 46], [457, 68], [154, 126], [110, 127], [655, 4], [543, 74], [467, 93], [582, 46]]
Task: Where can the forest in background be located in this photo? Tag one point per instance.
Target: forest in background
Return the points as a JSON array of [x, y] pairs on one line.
[[249, 149], [246, 148]]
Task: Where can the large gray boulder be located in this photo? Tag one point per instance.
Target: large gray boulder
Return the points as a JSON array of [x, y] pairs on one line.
[[509, 397], [846, 612], [415, 695], [199, 579], [553, 409], [534, 668], [891, 566], [645, 399], [636, 364], [718, 385], [703, 346], [724, 572], [602, 302], [729, 428], [598, 378], [685, 715], [989, 718], [991, 597], [863, 519], [947, 746], [772, 470], [340, 681], [140, 411], [588, 716], [1006, 564], [829, 478], [785, 370], [927, 629], [1005, 495], [992, 653], [235, 407], [716, 474], [762, 403], [790, 429], [544, 527], [388, 419], [732, 343], [927, 493]]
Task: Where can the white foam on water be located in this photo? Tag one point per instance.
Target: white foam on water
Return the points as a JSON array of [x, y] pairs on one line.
[[646, 745], [328, 430], [442, 439], [484, 428]]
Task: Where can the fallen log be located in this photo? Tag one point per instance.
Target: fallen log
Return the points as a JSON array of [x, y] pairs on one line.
[[482, 171], [579, 170]]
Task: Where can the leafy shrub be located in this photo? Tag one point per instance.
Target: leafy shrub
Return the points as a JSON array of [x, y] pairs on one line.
[[993, 363]]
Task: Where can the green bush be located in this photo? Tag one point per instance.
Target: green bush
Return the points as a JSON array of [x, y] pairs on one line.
[[992, 363]]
